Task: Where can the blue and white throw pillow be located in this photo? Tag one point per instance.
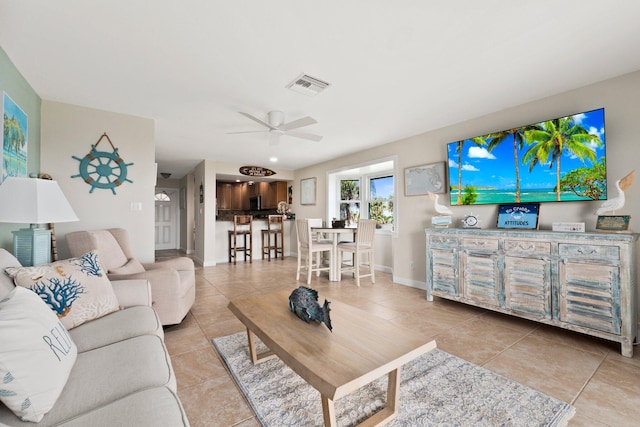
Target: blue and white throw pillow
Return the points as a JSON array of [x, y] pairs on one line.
[[36, 355], [76, 289]]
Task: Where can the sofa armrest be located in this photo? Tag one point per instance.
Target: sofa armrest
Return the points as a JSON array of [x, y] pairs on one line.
[[180, 264], [132, 292]]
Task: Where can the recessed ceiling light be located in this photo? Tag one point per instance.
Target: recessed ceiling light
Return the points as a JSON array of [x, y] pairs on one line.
[[273, 159]]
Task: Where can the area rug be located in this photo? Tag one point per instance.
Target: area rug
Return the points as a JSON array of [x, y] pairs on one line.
[[436, 389]]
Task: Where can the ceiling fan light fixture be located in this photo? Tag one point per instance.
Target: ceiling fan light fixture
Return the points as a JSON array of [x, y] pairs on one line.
[[276, 118]]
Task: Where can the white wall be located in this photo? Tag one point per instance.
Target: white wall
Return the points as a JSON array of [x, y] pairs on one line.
[[621, 100], [69, 130], [205, 213], [187, 216]]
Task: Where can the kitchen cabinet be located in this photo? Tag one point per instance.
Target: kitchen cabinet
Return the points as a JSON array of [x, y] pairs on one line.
[[276, 193], [232, 196], [223, 195], [271, 193], [584, 282], [239, 197]]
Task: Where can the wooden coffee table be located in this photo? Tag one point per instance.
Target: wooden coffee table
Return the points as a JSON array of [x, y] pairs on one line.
[[361, 348]]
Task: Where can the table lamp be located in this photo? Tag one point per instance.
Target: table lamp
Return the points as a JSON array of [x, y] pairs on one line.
[[33, 201]]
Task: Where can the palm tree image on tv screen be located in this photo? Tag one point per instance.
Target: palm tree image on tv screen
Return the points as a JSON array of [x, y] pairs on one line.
[[557, 160]]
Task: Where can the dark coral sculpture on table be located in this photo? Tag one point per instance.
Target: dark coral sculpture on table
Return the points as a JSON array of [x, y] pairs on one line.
[[303, 302]]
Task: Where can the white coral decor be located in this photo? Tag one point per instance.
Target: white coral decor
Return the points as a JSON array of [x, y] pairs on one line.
[[283, 208]]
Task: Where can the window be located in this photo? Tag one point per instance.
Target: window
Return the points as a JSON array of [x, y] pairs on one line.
[[363, 192], [350, 200], [162, 197], [380, 201]]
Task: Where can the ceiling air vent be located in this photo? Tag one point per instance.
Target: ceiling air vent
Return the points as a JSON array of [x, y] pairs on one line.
[[307, 85]]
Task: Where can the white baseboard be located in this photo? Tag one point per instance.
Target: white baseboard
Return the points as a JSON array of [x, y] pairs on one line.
[[409, 282]]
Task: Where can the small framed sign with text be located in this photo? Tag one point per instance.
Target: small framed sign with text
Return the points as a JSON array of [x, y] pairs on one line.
[[617, 223], [519, 215]]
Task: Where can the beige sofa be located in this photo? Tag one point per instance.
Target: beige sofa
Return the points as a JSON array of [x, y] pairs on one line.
[[122, 374], [173, 283]]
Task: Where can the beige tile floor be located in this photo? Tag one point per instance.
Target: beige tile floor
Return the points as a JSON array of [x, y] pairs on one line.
[[587, 372]]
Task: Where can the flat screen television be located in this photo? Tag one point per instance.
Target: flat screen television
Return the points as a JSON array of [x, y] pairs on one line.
[[558, 160]]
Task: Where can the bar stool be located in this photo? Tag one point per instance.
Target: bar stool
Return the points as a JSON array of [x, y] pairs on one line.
[[275, 228], [242, 226]]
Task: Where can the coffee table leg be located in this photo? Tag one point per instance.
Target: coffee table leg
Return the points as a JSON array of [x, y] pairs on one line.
[[255, 357], [329, 412], [379, 418], [393, 392]]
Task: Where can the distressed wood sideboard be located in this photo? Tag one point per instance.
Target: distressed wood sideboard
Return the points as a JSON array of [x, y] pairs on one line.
[[583, 282]]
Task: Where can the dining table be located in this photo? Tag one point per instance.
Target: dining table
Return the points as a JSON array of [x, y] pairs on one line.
[[334, 259]]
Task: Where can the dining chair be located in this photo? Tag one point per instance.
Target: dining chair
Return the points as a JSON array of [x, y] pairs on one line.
[[362, 244], [307, 247], [316, 236], [275, 228], [243, 227]]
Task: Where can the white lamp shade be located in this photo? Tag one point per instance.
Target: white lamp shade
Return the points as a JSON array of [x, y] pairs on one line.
[[33, 201]]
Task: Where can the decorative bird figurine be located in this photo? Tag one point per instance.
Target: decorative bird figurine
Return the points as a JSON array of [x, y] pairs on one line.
[[441, 209], [616, 203], [303, 302]]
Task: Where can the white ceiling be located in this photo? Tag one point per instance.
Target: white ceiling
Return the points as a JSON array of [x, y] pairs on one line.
[[396, 68]]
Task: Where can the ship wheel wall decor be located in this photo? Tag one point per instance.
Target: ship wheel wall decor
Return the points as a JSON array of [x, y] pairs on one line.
[[101, 169]]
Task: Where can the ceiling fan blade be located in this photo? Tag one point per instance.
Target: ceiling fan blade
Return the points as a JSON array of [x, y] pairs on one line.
[[295, 124], [248, 131], [309, 136], [274, 138], [255, 119]]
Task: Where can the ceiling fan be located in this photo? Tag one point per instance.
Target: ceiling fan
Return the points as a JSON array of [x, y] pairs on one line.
[[277, 127]]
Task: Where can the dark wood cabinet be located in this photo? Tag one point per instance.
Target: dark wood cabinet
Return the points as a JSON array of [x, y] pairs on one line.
[[223, 195], [277, 193], [235, 195]]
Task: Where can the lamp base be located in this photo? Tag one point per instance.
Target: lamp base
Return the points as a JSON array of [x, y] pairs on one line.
[[32, 246]]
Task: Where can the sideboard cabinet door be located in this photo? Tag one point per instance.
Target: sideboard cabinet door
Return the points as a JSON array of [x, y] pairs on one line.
[[480, 272], [590, 286], [442, 268], [527, 277]]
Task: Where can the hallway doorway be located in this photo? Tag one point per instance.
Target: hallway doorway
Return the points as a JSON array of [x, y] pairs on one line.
[[166, 218]]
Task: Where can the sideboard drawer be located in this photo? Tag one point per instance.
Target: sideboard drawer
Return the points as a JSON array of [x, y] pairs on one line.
[[480, 243], [443, 241], [525, 247], [589, 251]]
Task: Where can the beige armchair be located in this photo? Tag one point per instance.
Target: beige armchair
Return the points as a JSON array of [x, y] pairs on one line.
[[173, 283]]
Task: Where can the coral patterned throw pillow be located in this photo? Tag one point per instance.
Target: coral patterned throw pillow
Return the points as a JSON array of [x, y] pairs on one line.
[[76, 289]]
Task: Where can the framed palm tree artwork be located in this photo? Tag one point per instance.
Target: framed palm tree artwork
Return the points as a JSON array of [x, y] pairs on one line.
[[14, 144]]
